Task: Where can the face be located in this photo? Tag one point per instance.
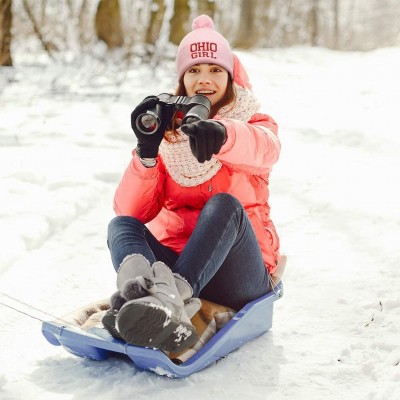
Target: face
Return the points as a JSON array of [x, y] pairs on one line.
[[210, 80]]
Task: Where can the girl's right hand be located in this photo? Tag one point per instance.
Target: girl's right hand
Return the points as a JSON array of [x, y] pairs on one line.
[[148, 144]]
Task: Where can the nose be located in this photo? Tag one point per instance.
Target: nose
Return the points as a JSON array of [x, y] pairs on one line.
[[204, 78]]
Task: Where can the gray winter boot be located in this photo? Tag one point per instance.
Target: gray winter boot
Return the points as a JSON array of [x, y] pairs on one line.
[[134, 280], [158, 320], [135, 267]]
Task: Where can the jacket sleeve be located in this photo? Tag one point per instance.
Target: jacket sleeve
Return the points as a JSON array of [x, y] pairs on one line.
[[252, 146], [140, 193]]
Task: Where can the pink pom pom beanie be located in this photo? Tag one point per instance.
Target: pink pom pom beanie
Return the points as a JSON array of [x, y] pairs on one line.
[[203, 45]]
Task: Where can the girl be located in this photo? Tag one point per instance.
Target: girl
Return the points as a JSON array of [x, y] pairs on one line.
[[192, 207]]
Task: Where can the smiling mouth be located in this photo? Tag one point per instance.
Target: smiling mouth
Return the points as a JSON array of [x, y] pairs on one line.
[[205, 92]]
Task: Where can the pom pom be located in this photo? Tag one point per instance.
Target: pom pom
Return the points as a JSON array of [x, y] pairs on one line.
[[133, 289], [203, 21], [117, 301]]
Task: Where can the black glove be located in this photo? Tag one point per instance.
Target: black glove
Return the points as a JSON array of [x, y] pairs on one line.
[[147, 145], [206, 138]]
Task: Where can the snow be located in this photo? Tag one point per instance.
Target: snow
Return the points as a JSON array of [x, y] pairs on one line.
[[65, 140]]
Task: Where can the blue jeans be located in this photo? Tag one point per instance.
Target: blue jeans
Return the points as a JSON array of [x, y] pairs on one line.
[[222, 260]]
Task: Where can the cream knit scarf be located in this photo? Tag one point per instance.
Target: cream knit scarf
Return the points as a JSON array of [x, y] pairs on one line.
[[182, 165]]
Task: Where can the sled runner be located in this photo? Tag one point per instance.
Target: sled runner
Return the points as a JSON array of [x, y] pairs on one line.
[[251, 321]]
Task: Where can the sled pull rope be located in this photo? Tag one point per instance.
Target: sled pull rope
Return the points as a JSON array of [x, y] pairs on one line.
[[32, 308]]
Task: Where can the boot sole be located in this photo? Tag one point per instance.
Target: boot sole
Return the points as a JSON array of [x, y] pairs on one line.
[[109, 323], [145, 325]]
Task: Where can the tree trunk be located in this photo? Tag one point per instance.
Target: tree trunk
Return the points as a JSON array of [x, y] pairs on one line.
[[156, 20], [207, 7], [108, 23], [314, 23], [5, 33], [179, 21], [247, 35], [336, 23], [82, 24]]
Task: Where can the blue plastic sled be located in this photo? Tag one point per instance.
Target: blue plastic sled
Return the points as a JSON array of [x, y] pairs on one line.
[[251, 321]]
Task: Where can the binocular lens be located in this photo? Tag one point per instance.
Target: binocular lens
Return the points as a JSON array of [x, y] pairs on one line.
[[148, 123], [198, 112], [190, 120]]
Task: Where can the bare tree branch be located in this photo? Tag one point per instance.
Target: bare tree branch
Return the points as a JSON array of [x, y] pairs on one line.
[[45, 44]]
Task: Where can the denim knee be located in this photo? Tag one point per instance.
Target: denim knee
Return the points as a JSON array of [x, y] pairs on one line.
[[224, 199], [118, 222], [222, 202]]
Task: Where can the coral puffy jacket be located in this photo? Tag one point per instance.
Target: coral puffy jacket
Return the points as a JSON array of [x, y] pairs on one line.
[[171, 210]]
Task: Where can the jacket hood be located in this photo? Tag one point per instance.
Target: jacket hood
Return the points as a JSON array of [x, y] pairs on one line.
[[240, 76]]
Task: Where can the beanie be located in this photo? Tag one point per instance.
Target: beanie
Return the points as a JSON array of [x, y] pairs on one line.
[[203, 45]]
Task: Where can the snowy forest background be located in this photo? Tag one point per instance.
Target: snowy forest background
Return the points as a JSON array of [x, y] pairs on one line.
[[326, 70], [143, 30]]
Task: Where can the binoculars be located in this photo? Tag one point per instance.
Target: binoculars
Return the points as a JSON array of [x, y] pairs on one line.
[[194, 109]]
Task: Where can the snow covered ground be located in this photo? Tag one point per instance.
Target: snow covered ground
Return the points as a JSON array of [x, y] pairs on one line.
[[65, 140]]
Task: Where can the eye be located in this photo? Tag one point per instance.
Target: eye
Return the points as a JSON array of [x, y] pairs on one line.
[[216, 69], [192, 70]]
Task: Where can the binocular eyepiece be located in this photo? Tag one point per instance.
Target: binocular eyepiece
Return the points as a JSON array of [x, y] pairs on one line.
[[194, 109]]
